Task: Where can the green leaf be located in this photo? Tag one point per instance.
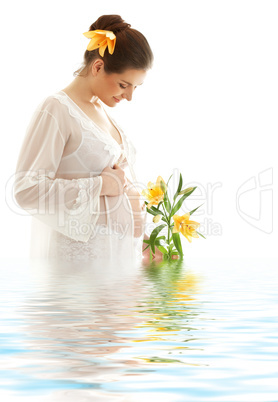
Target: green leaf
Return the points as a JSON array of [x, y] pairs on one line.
[[151, 212], [156, 210], [151, 255], [154, 234], [167, 202], [192, 212], [179, 203], [187, 190], [169, 179], [200, 234], [161, 238], [162, 249], [179, 188], [162, 186], [177, 242], [158, 242]]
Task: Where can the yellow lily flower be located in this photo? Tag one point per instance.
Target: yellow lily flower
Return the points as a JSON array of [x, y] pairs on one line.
[[186, 227], [155, 192], [101, 39]]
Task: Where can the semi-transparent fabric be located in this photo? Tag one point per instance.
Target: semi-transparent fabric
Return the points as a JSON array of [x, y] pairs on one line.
[[61, 189]]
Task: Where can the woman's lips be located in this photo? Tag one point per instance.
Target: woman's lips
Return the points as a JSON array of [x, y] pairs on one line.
[[117, 100]]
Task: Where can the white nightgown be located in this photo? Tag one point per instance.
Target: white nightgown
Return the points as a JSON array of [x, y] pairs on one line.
[[71, 221]]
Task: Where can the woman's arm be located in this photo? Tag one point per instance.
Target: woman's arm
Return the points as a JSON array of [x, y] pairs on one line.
[[69, 206]]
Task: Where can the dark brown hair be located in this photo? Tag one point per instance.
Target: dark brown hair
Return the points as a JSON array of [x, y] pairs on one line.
[[132, 50]]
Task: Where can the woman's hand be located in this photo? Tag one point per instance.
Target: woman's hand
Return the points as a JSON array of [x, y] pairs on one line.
[[113, 181]]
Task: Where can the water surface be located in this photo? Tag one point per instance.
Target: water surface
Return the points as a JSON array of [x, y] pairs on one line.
[[196, 331]]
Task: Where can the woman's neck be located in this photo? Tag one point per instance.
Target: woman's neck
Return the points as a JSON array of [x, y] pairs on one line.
[[81, 89]]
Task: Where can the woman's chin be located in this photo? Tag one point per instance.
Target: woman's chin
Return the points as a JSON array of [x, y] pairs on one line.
[[110, 103]]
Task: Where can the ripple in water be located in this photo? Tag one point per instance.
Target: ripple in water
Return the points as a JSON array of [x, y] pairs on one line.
[[173, 332]]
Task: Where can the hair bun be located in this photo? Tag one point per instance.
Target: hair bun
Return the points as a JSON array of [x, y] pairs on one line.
[[113, 23], [132, 50]]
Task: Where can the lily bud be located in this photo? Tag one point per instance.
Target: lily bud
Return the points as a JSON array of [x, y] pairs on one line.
[[157, 218]]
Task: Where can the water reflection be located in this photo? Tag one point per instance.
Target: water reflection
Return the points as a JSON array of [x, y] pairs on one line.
[[170, 309], [90, 324], [86, 308], [126, 332], [79, 310]]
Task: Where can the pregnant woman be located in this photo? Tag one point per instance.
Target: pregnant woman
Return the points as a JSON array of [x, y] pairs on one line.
[[71, 174]]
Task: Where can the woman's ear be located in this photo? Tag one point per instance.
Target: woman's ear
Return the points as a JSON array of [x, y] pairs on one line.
[[97, 66]]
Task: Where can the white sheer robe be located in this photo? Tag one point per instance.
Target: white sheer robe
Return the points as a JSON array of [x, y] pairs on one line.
[[61, 190]]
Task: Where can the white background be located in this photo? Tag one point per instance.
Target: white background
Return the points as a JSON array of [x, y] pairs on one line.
[[207, 109]]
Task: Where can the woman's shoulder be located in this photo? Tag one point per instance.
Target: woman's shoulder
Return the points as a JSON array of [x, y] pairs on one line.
[[57, 107], [51, 103]]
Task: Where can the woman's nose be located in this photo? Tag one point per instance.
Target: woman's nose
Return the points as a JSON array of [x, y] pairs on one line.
[[128, 94]]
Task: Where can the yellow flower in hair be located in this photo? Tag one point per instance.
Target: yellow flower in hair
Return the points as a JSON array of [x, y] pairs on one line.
[[101, 39], [185, 226], [155, 192]]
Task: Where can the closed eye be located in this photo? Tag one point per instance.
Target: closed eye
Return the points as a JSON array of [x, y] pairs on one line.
[[123, 87]]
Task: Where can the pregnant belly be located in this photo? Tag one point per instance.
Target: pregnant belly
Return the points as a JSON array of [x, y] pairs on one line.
[[122, 212], [138, 210]]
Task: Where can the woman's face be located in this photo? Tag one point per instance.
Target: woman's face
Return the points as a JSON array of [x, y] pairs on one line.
[[113, 88]]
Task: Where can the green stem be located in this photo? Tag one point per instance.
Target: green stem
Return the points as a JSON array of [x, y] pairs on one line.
[[169, 254], [168, 223], [165, 214]]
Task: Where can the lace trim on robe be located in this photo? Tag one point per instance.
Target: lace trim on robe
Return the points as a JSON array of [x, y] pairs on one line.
[[88, 124]]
